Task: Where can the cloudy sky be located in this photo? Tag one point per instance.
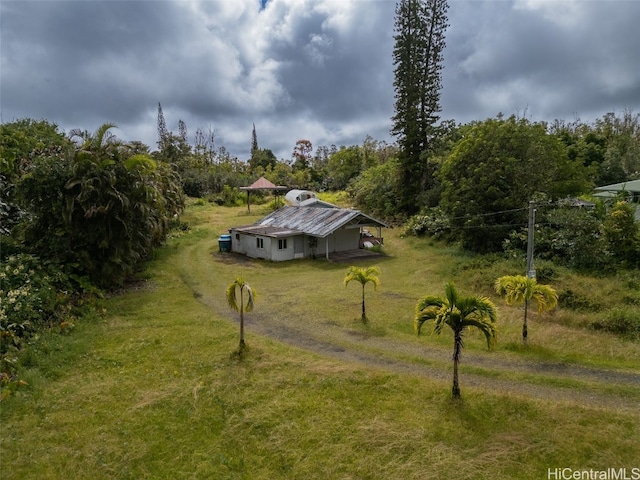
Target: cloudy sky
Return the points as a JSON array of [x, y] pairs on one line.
[[304, 69]]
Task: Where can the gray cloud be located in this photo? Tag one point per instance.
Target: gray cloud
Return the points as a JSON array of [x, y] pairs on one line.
[[315, 69]]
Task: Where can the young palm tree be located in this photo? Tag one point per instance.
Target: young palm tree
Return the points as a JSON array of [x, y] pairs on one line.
[[244, 287], [459, 313], [363, 276], [520, 290]]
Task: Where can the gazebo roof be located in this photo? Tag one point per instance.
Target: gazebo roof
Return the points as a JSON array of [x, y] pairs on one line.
[[263, 184]]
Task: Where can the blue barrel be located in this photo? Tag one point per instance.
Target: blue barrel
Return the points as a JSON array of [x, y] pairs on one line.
[[224, 243]]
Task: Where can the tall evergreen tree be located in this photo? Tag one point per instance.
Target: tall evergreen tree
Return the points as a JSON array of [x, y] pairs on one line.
[[182, 130], [254, 140], [163, 133], [420, 27]]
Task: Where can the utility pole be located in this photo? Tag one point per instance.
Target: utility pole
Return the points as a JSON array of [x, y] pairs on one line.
[[531, 269]]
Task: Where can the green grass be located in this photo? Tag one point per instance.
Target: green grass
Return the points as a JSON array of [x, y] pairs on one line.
[[151, 390]]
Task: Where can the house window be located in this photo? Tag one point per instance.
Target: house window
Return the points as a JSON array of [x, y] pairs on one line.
[[282, 244], [237, 236], [260, 242]]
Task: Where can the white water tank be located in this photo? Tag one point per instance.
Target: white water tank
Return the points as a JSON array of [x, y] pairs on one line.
[[296, 197]]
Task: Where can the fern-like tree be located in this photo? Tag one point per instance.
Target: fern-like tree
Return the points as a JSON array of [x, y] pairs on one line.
[[458, 313], [245, 291], [518, 289], [363, 276]]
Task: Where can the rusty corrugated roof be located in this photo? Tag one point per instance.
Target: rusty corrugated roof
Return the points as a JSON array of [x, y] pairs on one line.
[[315, 221]]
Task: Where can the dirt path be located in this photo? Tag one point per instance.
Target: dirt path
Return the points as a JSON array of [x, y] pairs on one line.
[[506, 373], [490, 371]]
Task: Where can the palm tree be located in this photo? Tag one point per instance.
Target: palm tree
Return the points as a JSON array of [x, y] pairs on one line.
[[102, 143], [243, 286], [520, 290], [459, 313], [363, 276]]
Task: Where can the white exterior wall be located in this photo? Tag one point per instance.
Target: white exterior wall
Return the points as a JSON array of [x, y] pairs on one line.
[[236, 244], [341, 240], [346, 239], [248, 245], [279, 255]]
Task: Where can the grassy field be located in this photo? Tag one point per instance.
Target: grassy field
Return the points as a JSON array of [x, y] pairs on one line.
[[151, 389]]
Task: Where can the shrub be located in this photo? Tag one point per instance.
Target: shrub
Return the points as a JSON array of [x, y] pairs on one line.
[[546, 272], [621, 235], [577, 301], [432, 222], [568, 236], [32, 297], [229, 197], [99, 215], [623, 321], [377, 190], [29, 299]]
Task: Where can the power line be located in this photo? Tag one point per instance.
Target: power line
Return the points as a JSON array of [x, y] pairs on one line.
[[482, 215]]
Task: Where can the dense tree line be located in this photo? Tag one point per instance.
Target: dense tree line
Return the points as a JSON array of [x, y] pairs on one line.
[[496, 166]]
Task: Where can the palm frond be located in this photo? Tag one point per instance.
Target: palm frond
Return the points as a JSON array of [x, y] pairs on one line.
[[488, 329], [363, 276], [231, 294], [429, 301], [251, 297], [423, 316], [517, 289]]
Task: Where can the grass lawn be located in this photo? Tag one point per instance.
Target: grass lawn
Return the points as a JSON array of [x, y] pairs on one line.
[[151, 389]]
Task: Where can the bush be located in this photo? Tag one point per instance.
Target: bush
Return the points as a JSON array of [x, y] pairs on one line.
[[577, 301], [432, 222], [566, 235], [546, 272], [622, 235], [623, 321], [377, 190], [32, 298], [229, 197], [97, 215]]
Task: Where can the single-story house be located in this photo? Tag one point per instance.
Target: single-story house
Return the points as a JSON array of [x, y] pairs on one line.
[[303, 231]]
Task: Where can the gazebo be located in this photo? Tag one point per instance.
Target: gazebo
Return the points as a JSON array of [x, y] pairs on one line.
[[262, 184]]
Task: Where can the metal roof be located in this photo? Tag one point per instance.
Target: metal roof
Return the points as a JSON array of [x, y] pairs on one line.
[[632, 186], [315, 221]]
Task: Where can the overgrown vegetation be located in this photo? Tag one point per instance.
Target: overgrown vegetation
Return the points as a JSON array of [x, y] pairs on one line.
[[150, 390], [81, 213]]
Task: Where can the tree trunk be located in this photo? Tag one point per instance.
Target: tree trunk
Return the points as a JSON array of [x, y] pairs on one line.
[[524, 324], [457, 342], [364, 314], [241, 321]]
